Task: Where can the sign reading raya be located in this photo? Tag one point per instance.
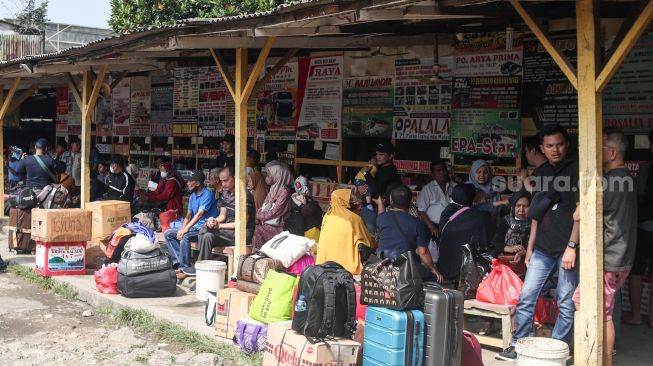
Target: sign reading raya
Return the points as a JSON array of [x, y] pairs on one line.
[[320, 115]]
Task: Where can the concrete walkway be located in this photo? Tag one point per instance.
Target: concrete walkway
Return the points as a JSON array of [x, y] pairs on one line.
[[182, 309], [633, 346]]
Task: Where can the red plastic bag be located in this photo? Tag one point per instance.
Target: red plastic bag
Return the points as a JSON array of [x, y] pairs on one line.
[[106, 279], [502, 286], [165, 218], [546, 311]]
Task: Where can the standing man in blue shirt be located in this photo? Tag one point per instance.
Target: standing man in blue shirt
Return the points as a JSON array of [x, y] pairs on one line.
[[201, 206]]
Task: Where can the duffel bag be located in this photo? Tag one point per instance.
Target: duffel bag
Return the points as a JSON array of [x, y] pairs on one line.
[[134, 263], [249, 287], [24, 199], [253, 267], [162, 283]]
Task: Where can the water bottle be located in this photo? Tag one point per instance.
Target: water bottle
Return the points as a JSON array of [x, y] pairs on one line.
[[300, 305]]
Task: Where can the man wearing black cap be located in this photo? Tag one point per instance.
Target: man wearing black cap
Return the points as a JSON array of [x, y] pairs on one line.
[[120, 183], [386, 174], [201, 206], [40, 169], [228, 156]]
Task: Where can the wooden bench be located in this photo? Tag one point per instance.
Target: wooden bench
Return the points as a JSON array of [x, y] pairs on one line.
[[485, 310]]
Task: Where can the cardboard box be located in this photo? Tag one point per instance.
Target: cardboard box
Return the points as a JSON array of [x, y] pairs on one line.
[[296, 350], [61, 225], [231, 305], [94, 249], [108, 216]]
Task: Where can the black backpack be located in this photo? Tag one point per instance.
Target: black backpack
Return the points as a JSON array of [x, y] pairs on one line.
[[328, 290]]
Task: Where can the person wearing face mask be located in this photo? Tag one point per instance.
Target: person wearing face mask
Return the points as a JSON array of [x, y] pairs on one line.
[[271, 217], [342, 231], [201, 207], [169, 190], [120, 183]]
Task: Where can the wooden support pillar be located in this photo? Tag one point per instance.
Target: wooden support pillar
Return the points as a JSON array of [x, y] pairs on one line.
[[588, 340], [6, 103], [89, 95], [241, 90], [241, 151]]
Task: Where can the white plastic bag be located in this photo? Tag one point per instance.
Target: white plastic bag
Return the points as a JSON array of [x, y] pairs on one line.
[[287, 248], [139, 243]]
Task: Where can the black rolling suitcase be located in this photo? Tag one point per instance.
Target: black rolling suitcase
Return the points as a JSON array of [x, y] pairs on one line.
[[443, 318]]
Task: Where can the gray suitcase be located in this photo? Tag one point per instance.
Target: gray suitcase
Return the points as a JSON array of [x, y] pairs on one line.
[[443, 318]]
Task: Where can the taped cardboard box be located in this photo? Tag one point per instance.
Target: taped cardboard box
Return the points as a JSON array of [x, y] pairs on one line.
[[108, 216], [61, 225], [286, 347], [94, 250], [231, 305]]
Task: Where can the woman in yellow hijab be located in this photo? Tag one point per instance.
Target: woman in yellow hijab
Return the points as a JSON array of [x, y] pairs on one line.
[[342, 231]]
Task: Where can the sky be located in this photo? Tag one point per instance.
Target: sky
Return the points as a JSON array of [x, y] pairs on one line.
[[93, 13]]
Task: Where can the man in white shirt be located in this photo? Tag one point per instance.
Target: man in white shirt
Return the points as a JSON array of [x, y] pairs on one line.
[[435, 196]]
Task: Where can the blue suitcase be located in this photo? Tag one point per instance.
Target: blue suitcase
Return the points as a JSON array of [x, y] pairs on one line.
[[393, 338]]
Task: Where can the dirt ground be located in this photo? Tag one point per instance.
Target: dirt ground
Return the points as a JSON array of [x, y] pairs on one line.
[[40, 328]]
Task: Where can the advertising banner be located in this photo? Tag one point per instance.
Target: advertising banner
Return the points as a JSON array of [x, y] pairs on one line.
[[186, 94], [486, 132], [628, 97], [320, 115], [488, 55], [367, 106], [161, 92], [213, 95], [120, 104], [422, 99], [139, 117], [62, 110], [277, 111]]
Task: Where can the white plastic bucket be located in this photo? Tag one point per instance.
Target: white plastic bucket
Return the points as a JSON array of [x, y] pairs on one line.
[[539, 351], [209, 276]]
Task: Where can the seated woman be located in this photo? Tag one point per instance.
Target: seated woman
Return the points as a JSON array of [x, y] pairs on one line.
[[305, 213], [258, 188], [271, 216], [511, 238], [400, 232], [461, 224], [342, 231], [480, 176], [167, 194]]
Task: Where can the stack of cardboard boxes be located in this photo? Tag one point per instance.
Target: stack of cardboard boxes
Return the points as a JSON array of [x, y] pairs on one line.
[[60, 236], [283, 346], [107, 216]]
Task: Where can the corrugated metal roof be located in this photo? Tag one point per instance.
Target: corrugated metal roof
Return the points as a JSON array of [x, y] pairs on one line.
[[182, 23]]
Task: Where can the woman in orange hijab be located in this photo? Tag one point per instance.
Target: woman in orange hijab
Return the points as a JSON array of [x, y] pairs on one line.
[[342, 231]]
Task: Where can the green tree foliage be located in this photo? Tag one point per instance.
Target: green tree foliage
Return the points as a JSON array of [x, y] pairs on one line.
[[129, 14], [33, 16]]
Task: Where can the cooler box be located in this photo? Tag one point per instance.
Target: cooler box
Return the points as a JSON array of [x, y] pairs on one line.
[[60, 259]]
